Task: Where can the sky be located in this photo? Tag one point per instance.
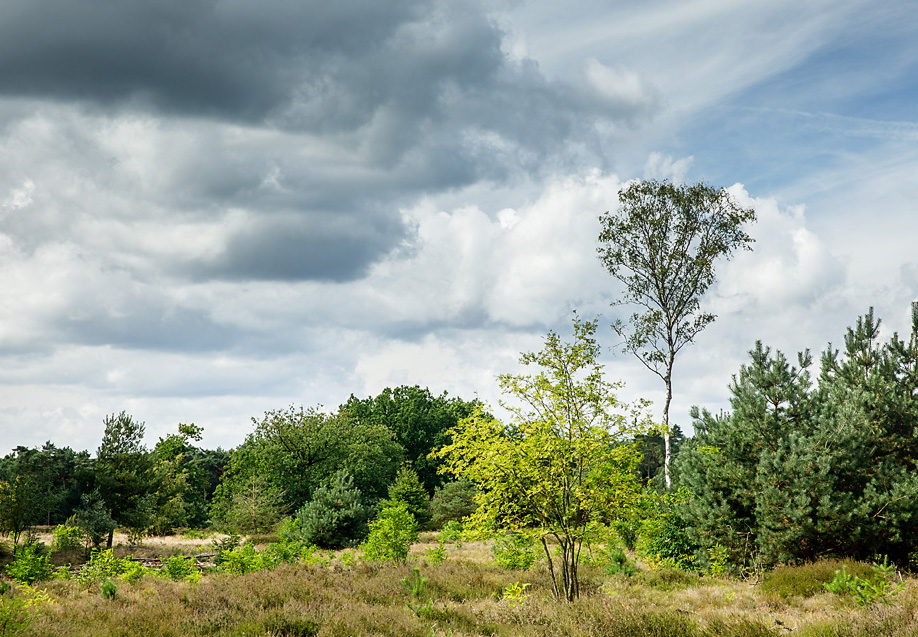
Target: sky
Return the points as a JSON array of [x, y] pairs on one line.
[[214, 208]]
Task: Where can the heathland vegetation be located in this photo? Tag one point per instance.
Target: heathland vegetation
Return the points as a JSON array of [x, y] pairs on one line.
[[410, 513], [795, 510]]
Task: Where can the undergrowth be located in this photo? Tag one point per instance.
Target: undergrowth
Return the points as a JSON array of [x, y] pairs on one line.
[[305, 591]]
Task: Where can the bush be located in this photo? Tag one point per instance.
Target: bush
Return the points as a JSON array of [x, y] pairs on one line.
[[109, 589], [436, 554], [334, 518], [407, 488], [30, 564], [877, 588], [667, 579], [663, 540], [514, 551], [391, 535], [177, 567], [67, 538], [452, 502], [104, 565], [611, 559], [95, 520], [808, 579], [245, 559], [223, 545], [15, 615]]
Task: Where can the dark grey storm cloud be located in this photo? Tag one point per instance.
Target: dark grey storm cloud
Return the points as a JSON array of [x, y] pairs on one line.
[[317, 120], [236, 58], [297, 247]]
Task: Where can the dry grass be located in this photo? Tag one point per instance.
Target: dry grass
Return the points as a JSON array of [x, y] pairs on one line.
[[466, 599]]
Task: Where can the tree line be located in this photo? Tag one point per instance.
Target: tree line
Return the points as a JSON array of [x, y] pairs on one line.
[[290, 456]]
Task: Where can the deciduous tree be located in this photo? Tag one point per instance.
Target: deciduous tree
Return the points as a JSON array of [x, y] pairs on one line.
[[662, 244], [560, 467]]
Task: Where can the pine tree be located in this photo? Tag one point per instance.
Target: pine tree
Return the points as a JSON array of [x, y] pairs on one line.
[[795, 472]]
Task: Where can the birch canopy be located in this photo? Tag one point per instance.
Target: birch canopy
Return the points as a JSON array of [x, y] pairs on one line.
[[662, 244]]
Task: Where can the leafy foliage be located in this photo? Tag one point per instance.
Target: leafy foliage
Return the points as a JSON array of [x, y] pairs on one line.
[[560, 466], [514, 551], [662, 244], [419, 421], [452, 501], [866, 591], [103, 565], [663, 538], [67, 538], [178, 567], [31, 564], [391, 535], [293, 452]]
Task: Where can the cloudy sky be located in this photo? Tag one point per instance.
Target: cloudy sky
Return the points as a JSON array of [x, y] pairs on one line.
[[213, 208]]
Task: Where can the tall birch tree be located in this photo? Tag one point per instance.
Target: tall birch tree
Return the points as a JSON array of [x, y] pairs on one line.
[[662, 244]]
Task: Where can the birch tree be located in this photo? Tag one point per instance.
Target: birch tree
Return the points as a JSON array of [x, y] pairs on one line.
[[662, 244]]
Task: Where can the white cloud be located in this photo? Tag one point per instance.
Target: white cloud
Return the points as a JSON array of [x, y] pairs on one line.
[[664, 167]]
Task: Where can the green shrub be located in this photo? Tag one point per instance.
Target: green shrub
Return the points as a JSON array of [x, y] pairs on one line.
[[94, 519], [436, 554], [865, 591], [452, 531], [407, 488], [14, 614], [514, 551], [515, 593], [177, 567], [222, 545], [718, 560], [30, 564], [246, 559], [67, 538], [667, 579], [391, 535], [133, 571], [452, 502], [104, 565], [663, 541], [312, 556], [611, 559], [109, 589], [15, 603], [417, 589], [806, 580], [334, 518]]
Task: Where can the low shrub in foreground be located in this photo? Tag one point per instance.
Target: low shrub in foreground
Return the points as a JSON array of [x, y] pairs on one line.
[[667, 579], [391, 535], [879, 587], [809, 579], [514, 551], [31, 564]]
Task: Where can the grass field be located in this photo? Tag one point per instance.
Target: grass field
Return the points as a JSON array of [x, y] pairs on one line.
[[465, 595]]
